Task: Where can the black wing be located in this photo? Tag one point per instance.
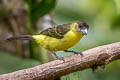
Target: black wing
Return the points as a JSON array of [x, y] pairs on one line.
[[57, 32]]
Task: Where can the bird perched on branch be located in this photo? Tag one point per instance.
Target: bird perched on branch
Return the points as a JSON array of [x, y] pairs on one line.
[[58, 38]]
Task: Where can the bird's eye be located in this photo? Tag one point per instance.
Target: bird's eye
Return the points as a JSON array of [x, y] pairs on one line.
[[80, 26]]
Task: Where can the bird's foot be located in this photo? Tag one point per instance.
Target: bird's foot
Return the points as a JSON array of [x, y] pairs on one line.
[[60, 58], [75, 52]]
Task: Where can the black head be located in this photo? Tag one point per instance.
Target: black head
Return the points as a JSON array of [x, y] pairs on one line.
[[82, 27]]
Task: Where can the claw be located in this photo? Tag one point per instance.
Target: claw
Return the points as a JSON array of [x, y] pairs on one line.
[[78, 53], [60, 58], [75, 52]]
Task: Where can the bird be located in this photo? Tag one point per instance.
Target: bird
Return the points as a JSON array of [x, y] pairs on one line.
[[58, 38]]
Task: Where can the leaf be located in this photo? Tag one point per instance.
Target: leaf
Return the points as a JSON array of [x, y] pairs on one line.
[[37, 9], [116, 22]]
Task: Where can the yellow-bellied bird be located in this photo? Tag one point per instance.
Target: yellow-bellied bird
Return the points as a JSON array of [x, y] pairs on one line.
[[61, 37]]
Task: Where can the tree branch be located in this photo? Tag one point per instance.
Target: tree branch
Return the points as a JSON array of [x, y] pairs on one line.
[[91, 58]]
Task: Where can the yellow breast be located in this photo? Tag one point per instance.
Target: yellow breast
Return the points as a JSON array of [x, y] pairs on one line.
[[53, 44]]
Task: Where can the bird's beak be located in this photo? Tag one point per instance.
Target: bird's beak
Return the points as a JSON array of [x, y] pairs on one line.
[[84, 31]]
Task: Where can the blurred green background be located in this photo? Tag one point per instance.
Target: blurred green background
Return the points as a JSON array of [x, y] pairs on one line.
[[19, 17]]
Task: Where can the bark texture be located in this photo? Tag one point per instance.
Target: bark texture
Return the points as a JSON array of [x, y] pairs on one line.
[[91, 58]]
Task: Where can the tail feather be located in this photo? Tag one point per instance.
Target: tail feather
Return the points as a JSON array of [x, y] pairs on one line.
[[22, 37]]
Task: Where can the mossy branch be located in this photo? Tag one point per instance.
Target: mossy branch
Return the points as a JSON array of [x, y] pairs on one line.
[[91, 58]]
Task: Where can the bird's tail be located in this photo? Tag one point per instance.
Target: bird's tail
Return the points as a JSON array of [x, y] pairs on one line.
[[22, 37]]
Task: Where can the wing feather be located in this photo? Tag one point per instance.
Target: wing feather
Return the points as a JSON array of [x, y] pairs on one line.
[[57, 32]]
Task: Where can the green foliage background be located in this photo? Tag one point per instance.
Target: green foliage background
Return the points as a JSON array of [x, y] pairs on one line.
[[103, 17]]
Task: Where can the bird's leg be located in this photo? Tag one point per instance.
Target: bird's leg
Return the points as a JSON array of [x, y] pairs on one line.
[[71, 51], [60, 58], [74, 52]]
